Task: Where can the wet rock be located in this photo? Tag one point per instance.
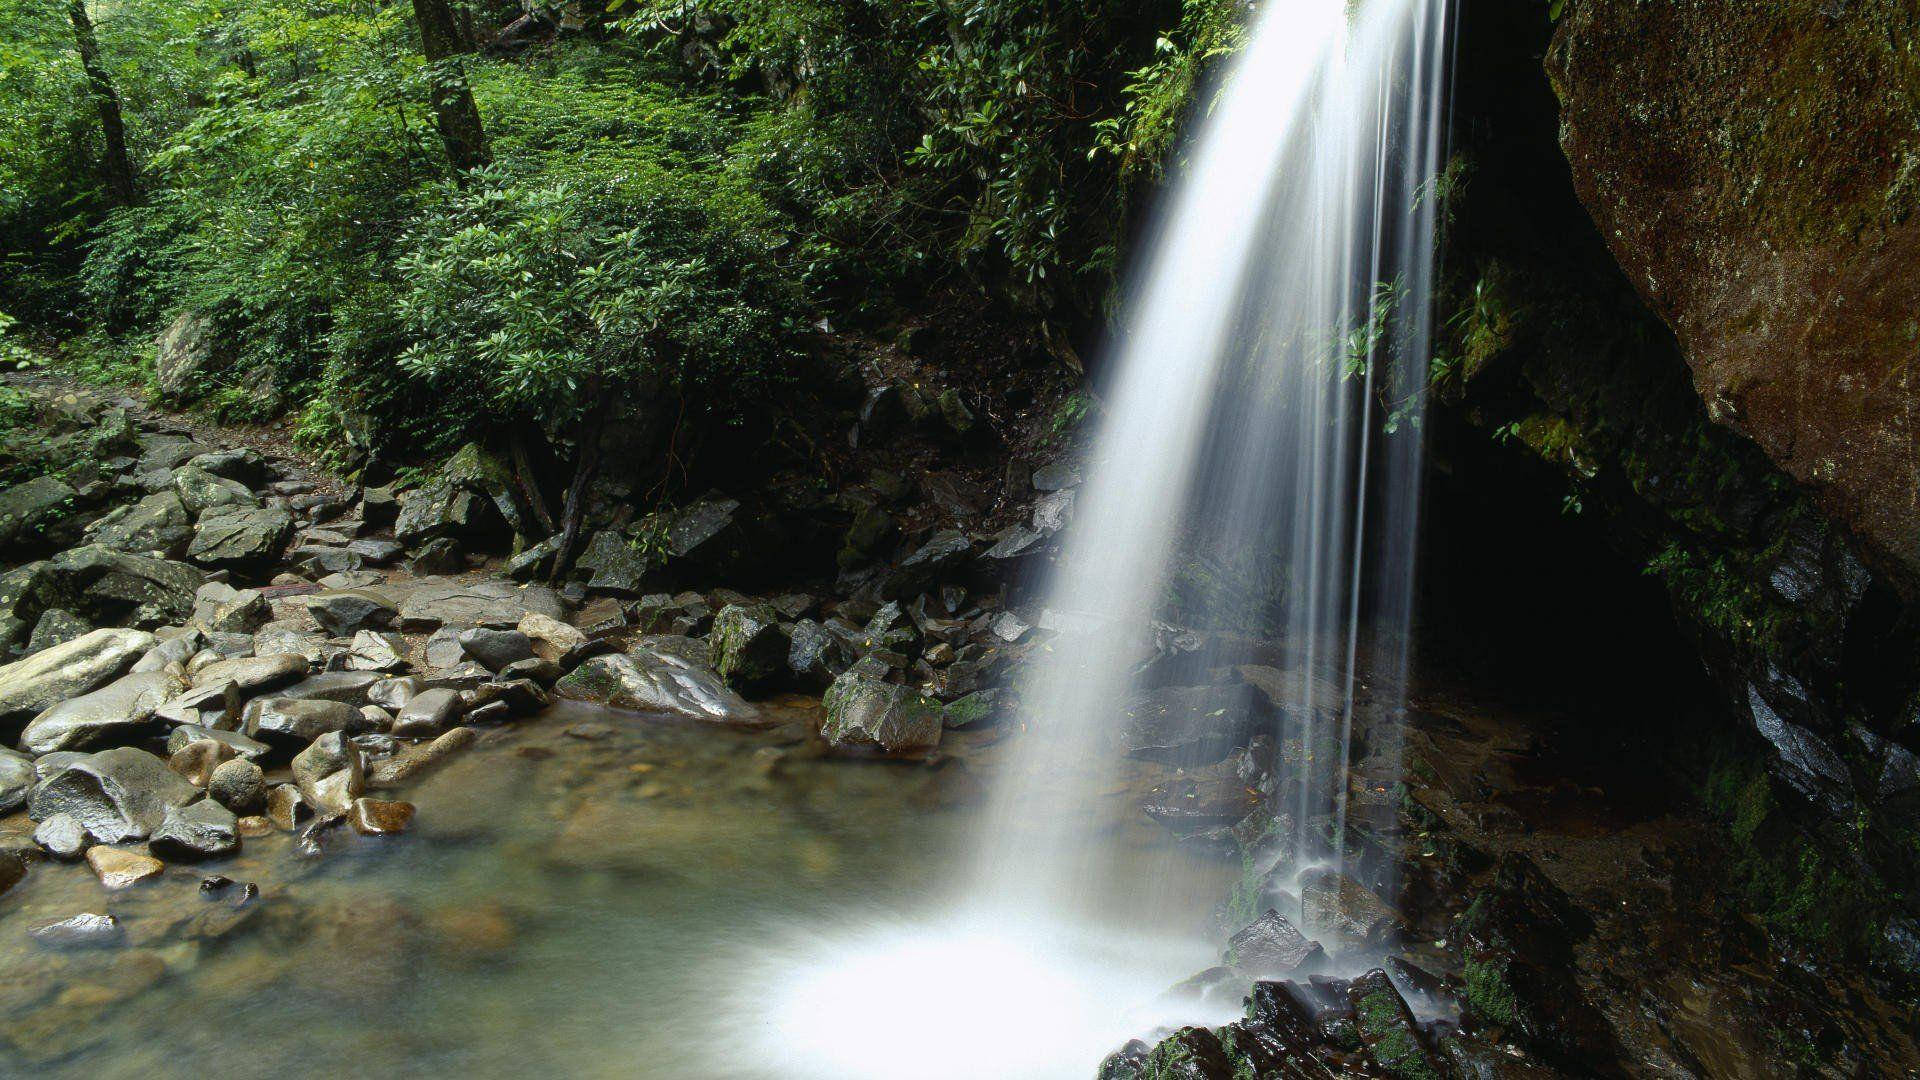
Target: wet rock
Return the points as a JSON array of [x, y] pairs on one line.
[[459, 677], [863, 711], [817, 655], [520, 696], [1271, 947], [253, 674], [539, 670], [158, 525], [38, 682], [221, 608], [111, 588], [292, 721], [427, 714], [56, 627], [119, 868], [116, 708], [242, 746], [203, 830], [982, 708], [16, 779], [1387, 1028], [375, 651], [118, 795], [440, 555], [239, 536], [1191, 725], [287, 638], [1056, 476], [344, 613], [347, 687], [655, 680], [443, 648], [63, 836], [410, 763], [1223, 793], [495, 604], [202, 492], [374, 817], [944, 555], [618, 564], [394, 693], [330, 773], [1469, 1058], [749, 648], [557, 642], [1335, 906], [286, 807], [376, 552], [495, 649], [239, 785], [197, 760], [84, 931], [31, 510], [215, 705]]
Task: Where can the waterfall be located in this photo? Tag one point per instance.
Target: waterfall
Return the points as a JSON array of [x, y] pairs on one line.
[[1261, 420], [1280, 325]]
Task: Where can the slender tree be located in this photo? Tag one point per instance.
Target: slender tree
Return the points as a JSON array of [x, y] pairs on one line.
[[454, 112], [118, 167]]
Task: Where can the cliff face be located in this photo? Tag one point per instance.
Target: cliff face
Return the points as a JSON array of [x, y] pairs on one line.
[[1755, 168], [1718, 379]]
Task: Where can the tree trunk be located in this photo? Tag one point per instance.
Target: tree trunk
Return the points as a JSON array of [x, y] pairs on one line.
[[586, 468], [118, 167], [454, 112]]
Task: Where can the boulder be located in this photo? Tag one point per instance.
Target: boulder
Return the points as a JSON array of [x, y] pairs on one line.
[[83, 931], [494, 604], [63, 836], [495, 649], [112, 588], [56, 627], [181, 354], [199, 758], [117, 795], [251, 749], [1336, 907], [222, 609], [440, 555], [441, 508], [375, 651], [119, 868], [427, 714], [1751, 169], [1192, 725], [1387, 1028], [944, 555], [239, 537], [68, 670], [203, 830], [252, 674], [557, 641], [865, 712], [239, 785], [16, 779], [292, 721], [118, 707], [158, 525], [655, 680], [34, 516], [1271, 947], [816, 655], [749, 648], [376, 817], [349, 611], [201, 491], [330, 774], [617, 562]]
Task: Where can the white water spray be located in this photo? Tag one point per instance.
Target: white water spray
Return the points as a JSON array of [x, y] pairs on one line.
[[1277, 330]]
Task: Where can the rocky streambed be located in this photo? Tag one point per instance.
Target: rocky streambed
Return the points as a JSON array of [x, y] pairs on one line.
[[313, 777]]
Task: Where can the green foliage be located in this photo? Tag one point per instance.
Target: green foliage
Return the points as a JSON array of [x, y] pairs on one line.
[[539, 302], [1489, 994], [1159, 95]]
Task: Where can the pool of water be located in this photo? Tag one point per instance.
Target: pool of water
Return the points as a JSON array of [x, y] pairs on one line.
[[670, 899]]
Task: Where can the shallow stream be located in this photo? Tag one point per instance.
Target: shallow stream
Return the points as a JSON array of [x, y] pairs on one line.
[[666, 899]]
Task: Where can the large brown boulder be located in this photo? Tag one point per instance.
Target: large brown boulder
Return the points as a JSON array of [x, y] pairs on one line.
[[1756, 170]]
